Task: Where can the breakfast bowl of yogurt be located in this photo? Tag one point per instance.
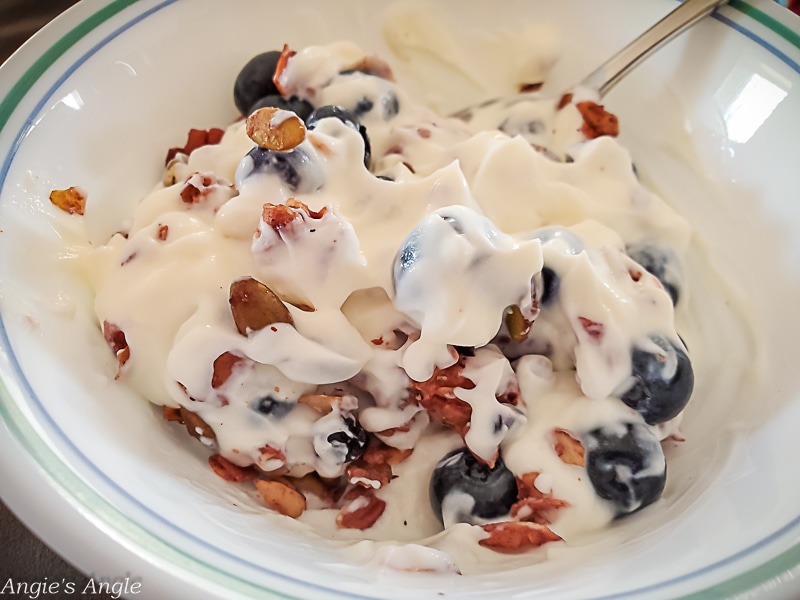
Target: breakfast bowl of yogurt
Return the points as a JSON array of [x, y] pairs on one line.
[[278, 323]]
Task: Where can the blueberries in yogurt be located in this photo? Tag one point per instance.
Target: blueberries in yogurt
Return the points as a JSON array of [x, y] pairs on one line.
[[346, 117], [297, 105], [661, 381], [550, 285], [295, 168], [273, 407], [339, 439], [464, 490], [254, 81], [389, 105], [626, 465], [660, 262]]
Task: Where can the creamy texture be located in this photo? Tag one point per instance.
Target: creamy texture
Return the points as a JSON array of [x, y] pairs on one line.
[[383, 278]]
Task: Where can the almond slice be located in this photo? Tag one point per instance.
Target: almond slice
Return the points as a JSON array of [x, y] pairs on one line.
[[275, 129], [514, 537], [230, 471], [569, 449], [254, 306]]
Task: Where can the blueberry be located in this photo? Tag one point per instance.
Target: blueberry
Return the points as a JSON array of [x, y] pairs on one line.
[[339, 439], [297, 105], [662, 380], [273, 407], [464, 490], [626, 466], [254, 81], [346, 117], [409, 254], [389, 103], [550, 285], [660, 262], [295, 168], [330, 111]]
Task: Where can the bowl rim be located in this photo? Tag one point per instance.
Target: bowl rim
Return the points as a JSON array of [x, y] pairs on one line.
[[81, 21]]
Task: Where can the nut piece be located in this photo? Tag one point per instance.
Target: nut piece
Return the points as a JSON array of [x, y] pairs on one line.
[[360, 472], [224, 365], [518, 326], [513, 537], [195, 425], [196, 139], [569, 449], [281, 496], [71, 200], [230, 471], [254, 306], [361, 512], [275, 129], [597, 120], [115, 338]]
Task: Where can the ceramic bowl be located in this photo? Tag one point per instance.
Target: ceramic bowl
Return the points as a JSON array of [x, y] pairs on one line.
[[713, 122]]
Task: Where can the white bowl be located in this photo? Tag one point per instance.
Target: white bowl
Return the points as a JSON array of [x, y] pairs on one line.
[[713, 122]]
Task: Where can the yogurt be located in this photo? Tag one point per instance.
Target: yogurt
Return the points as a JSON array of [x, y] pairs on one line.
[[472, 287]]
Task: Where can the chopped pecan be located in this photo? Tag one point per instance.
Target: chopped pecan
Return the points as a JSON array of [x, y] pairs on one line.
[[72, 200], [374, 65], [280, 67], [536, 509], [592, 328], [115, 338], [437, 396], [275, 129], [597, 120], [375, 475], [196, 139], [162, 233], [379, 453], [526, 88], [327, 490], [564, 100], [223, 367], [254, 306], [170, 413], [281, 496], [516, 536], [199, 186], [569, 449], [362, 512], [230, 471], [196, 426]]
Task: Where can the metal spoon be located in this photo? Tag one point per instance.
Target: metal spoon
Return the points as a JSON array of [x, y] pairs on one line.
[[607, 75]]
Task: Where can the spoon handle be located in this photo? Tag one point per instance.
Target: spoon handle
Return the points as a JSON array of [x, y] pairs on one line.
[[615, 68]]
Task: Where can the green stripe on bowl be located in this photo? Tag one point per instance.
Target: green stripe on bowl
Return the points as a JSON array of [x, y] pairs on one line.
[[52, 54], [771, 23]]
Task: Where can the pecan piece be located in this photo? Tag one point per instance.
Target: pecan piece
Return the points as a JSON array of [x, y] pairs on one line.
[[375, 475], [597, 120], [196, 139], [514, 536], [230, 471], [569, 449], [593, 329], [223, 368], [362, 512], [72, 200], [280, 67], [281, 496], [254, 306], [437, 396], [195, 425], [275, 129], [115, 338], [377, 453]]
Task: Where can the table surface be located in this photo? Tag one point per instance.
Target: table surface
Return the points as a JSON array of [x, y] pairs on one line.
[[23, 557]]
